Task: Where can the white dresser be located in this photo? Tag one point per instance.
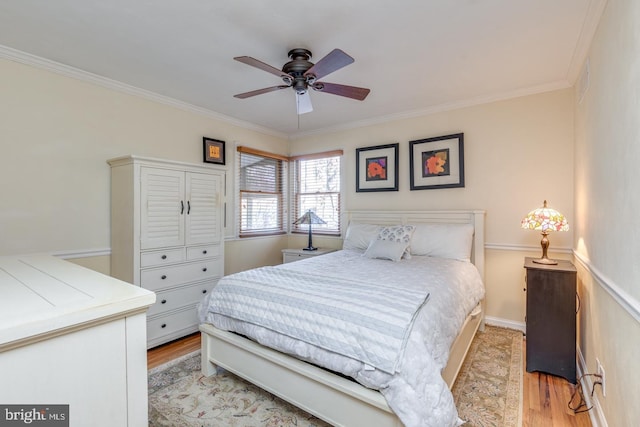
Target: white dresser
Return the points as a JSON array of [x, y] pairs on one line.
[[72, 336], [167, 236]]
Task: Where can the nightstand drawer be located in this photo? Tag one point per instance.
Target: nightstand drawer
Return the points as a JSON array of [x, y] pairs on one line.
[[290, 255], [180, 297], [161, 278]]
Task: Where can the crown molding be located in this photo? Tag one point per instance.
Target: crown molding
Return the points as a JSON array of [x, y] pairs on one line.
[[588, 31], [78, 74], [472, 102]]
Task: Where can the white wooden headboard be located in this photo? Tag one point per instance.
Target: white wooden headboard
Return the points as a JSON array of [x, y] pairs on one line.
[[473, 217]]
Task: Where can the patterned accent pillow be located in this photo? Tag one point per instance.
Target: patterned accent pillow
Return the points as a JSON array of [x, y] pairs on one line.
[[399, 234], [385, 249]]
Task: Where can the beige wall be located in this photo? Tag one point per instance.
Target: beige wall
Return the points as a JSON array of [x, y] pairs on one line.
[[57, 134], [517, 153], [607, 235]]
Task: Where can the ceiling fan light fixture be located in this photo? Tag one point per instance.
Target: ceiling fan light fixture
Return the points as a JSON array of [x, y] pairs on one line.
[[299, 73]]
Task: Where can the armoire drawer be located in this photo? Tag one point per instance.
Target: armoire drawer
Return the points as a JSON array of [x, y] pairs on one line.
[[171, 323], [174, 275], [180, 297], [199, 252], [156, 258]]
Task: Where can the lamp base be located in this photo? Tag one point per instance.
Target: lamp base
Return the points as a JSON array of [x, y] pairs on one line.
[[545, 261], [310, 248]]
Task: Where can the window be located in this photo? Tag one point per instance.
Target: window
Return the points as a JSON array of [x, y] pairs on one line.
[[262, 192], [316, 187]]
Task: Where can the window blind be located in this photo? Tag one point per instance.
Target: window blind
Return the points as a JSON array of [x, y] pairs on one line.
[[316, 187], [262, 198]]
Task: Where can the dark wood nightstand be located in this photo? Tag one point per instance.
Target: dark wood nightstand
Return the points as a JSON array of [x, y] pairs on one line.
[[551, 318]]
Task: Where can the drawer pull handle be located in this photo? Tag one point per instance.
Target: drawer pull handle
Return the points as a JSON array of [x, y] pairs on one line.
[[204, 252], [204, 291], [164, 276], [164, 301], [164, 257], [164, 325], [204, 269]]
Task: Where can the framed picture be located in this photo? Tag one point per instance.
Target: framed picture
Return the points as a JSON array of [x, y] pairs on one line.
[[437, 162], [377, 168], [213, 151]]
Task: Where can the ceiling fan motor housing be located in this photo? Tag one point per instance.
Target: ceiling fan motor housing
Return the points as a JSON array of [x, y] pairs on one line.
[[296, 68]]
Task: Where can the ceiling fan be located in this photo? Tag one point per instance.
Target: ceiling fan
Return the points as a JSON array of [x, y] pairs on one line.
[[301, 74]]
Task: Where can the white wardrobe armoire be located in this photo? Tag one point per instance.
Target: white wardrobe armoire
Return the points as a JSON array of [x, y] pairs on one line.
[[167, 237]]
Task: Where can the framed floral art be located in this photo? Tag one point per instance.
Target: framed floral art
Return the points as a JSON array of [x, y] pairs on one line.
[[377, 168], [437, 162]]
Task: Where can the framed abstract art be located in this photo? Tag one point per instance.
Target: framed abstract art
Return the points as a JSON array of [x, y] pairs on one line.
[[437, 162], [377, 168], [213, 151]]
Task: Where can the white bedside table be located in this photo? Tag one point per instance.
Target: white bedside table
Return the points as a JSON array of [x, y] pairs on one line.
[[290, 255]]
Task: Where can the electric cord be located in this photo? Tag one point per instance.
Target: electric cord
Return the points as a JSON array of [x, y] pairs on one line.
[[582, 406]]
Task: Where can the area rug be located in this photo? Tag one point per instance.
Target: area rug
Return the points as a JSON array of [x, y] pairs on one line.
[[488, 391]]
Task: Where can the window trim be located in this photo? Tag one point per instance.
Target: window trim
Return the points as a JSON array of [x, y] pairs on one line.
[[284, 196], [294, 194]]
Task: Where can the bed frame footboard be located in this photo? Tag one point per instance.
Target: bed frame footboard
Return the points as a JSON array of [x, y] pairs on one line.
[[334, 399]]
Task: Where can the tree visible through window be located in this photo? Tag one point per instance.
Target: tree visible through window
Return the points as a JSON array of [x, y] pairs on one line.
[[316, 187]]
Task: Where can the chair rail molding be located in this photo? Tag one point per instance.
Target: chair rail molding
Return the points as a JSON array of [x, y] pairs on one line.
[[626, 301]]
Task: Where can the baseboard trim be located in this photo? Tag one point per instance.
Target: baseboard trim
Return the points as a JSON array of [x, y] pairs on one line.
[[505, 323], [596, 414]]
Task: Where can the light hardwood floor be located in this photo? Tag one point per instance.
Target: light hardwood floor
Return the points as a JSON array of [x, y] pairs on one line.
[[544, 402]]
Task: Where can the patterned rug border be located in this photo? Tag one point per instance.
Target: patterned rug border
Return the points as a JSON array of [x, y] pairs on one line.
[[172, 363], [517, 363]]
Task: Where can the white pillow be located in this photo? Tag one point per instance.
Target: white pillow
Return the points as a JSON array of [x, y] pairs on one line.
[[359, 236], [386, 249], [398, 233], [443, 240]]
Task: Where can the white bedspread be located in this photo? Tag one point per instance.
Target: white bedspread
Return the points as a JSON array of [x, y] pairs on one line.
[[416, 393], [361, 319]]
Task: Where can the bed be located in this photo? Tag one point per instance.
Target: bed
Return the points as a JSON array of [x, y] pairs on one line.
[[317, 379]]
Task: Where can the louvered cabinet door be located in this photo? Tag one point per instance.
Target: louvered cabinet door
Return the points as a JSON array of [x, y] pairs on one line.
[[203, 219], [163, 208]]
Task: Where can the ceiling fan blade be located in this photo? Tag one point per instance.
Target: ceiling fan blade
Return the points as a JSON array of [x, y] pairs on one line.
[[359, 93], [261, 65], [303, 103], [260, 91], [335, 60]]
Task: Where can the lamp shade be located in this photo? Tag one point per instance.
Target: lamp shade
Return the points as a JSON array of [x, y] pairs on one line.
[[545, 219], [309, 218]]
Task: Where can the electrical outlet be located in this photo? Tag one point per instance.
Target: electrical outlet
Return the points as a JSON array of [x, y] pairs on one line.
[[600, 371]]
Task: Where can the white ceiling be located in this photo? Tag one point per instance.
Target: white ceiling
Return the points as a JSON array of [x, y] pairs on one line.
[[416, 56]]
